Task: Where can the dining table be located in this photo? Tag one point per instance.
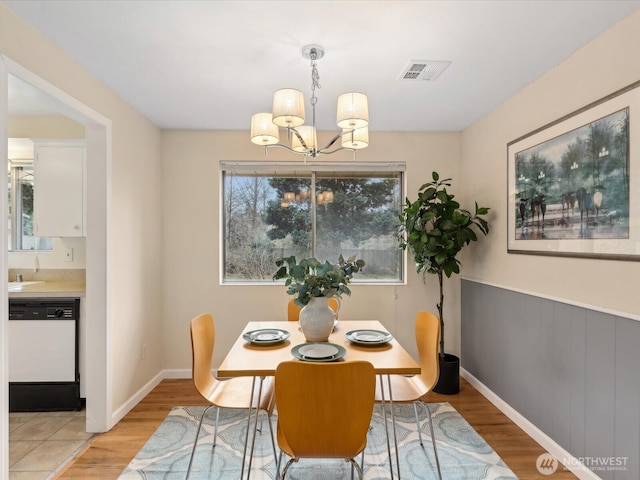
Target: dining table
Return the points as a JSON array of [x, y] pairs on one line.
[[260, 359]]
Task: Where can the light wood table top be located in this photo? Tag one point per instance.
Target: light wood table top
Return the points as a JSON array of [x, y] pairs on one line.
[[246, 359]]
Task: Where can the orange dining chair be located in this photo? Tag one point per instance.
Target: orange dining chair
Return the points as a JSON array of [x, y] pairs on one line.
[[293, 310], [324, 410], [412, 389], [223, 393]]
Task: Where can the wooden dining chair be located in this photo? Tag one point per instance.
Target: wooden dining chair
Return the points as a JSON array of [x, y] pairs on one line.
[[324, 410], [412, 389], [293, 310], [223, 393]]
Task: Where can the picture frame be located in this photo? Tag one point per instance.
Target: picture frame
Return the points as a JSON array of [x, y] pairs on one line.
[[573, 184]]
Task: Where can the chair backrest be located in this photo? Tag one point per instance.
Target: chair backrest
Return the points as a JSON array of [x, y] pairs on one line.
[[324, 409], [203, 336], [427, 337], [293, 310]]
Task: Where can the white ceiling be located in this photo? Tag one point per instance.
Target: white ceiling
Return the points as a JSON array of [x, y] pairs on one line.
[[212, 64]]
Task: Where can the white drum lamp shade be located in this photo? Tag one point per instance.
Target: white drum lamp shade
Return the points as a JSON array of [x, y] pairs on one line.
[[288, 107], [353, 110], [263, 130], [308, 134], [356, 139]]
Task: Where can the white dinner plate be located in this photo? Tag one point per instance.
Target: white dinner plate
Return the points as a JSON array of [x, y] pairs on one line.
[[368, 337], [266, 336], [318, 351]]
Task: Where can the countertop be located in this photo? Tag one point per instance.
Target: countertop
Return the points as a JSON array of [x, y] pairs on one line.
[[48, 289]]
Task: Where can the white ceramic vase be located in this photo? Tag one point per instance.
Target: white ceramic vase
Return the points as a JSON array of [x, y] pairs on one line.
[[316, 319]]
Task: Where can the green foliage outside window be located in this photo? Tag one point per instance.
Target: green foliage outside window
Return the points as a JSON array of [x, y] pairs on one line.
[[267, 217]]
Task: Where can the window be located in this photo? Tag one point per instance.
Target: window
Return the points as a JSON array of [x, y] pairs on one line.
[[20, 203], [324, 210]]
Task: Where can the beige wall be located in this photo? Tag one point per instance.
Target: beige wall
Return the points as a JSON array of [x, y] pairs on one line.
[[602, 67], [191, 255], [134, 207]]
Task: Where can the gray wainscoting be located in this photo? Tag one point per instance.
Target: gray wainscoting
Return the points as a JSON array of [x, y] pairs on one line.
[[571, 371]]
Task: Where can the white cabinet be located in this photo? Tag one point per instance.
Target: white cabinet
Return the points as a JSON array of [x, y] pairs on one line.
[[59, 189]]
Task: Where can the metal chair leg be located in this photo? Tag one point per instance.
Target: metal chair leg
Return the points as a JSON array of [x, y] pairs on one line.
[[393, 423], [278, 463], [273, 440], [246, 437], [415, 409], [433, 439], [286, 467], [361, 464], [215, 431], [386, 426], [195, 443], [355, 465]]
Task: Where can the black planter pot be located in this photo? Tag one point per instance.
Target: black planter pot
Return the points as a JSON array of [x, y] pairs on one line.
[[449, 379]]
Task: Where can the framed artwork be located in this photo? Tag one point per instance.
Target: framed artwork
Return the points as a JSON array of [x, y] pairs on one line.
[[574, 184]]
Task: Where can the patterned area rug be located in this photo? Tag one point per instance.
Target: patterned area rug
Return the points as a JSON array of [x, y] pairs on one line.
[[463, 454]]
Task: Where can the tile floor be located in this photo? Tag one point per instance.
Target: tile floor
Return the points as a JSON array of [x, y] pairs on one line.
[[40, 443]]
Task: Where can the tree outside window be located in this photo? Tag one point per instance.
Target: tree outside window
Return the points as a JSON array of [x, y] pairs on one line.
[[311, 213]]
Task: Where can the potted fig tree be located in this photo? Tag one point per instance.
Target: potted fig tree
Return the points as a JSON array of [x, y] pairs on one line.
[[434, 229]]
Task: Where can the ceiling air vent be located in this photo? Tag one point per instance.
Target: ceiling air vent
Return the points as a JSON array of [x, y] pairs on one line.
[[423, 70]]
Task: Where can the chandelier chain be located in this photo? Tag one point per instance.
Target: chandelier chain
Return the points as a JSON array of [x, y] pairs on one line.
[[315, 83]]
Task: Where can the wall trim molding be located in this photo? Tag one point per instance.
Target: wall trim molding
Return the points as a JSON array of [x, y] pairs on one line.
[[571, 462], [177, 373], [137, 397], [588, 306], [127, 406]]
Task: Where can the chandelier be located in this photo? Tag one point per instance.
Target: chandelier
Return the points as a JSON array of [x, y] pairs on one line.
[[288, 113]]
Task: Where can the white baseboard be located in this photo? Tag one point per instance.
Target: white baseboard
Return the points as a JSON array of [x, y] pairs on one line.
[[146, 389], [175, 373], [569, 461], [136, 398]]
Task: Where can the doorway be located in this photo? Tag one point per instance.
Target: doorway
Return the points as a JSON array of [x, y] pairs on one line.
[[98, 138]]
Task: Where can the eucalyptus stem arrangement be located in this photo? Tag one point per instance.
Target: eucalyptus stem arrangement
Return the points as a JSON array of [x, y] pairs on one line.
[[311, 278]]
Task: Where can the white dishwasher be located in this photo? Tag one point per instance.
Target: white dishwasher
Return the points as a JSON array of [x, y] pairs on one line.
[[43, 354]]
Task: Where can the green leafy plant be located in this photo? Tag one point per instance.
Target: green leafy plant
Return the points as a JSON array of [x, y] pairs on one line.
[[311, 278], [434, 229]]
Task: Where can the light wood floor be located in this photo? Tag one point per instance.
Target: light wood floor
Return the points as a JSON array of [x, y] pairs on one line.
[[111, 452]]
